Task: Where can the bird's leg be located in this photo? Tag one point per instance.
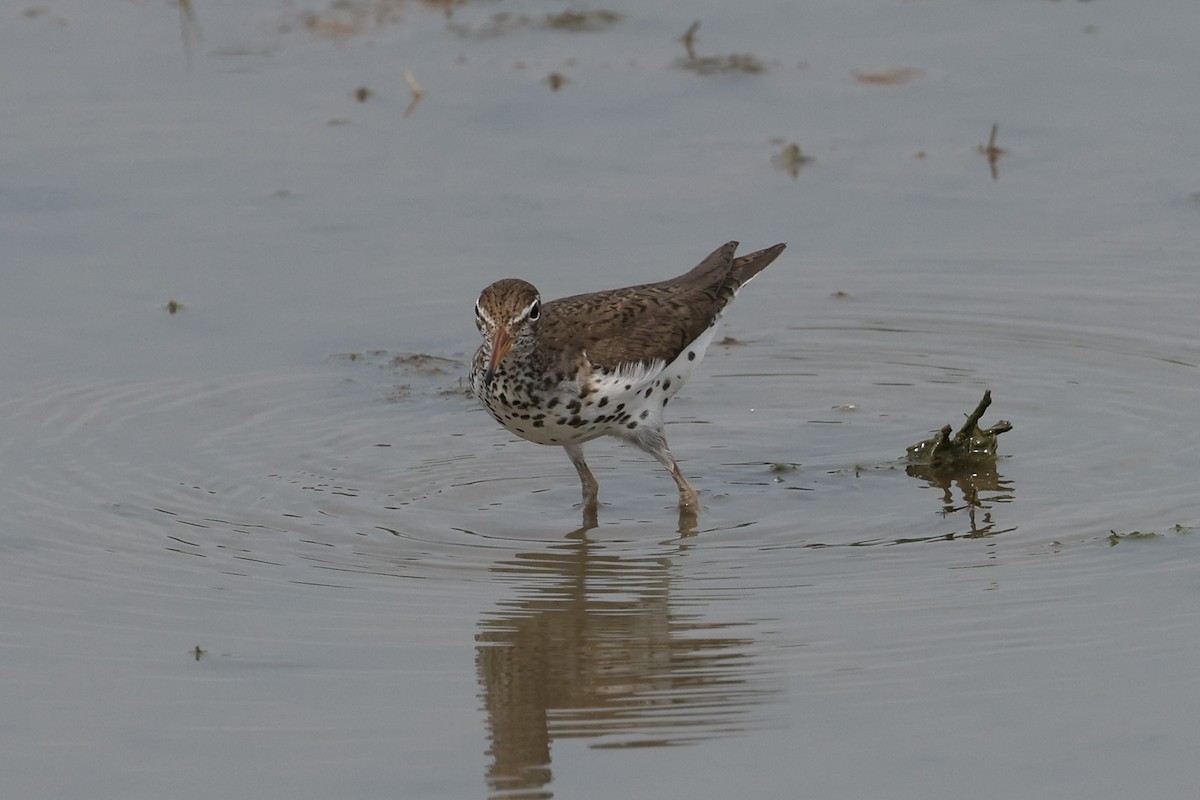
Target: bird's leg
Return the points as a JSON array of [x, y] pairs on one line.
[[689, 499], [591, 489], [654, 442]]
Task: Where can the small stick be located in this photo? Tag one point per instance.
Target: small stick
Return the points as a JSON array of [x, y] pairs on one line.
[[689, 40], [417, 92]]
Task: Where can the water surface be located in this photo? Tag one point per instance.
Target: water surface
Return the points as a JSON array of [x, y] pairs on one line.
[[267, 546]]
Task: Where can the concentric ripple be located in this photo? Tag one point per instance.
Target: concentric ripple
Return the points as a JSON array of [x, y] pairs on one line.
[[375, 478]]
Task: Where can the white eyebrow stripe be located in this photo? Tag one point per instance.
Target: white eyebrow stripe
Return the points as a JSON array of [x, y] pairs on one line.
[[487, 318]]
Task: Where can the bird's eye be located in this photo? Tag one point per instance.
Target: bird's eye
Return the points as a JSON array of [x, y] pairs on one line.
[[535, 311]]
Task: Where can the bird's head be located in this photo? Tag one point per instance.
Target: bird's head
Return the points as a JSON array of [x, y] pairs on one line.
[[508, 312]]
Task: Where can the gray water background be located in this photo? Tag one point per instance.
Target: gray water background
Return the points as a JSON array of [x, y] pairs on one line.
[[266, 546]]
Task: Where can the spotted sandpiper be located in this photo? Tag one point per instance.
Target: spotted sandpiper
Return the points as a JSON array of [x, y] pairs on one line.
[[602, 364]]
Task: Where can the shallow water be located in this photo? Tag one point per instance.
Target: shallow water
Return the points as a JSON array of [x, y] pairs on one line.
[[268, 546]]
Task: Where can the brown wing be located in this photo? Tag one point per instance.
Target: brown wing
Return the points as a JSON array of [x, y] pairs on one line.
[[639, 324]]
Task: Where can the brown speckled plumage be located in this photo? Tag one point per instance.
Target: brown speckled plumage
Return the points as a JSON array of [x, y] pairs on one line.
[[605, 363]]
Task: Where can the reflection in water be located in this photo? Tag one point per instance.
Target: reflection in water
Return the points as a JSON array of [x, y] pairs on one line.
[[593, 648], [972, 483]]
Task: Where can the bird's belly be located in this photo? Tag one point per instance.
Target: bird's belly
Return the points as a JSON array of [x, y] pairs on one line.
[[546, 429], [567, 418]]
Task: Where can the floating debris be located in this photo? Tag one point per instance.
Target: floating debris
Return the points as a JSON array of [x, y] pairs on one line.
[[968, 461], [889, 77], [415, 374], [710, 65], [417, 92], [362, 94], [791, 160], [173, 307], [569, 21], [689, 39], [346, 18], [1116, 538], [992, 152], [969, 445], [581, 21], [556, 80], [425, 363], [409, 363]]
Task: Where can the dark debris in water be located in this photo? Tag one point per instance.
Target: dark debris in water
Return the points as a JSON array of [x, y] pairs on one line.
[[689, 39], [569, 21], [735, 63], [419, 367], [1116, 538], [966, 460], [581, 21], [791, 160], [992, 152], [967, 447], [426, 364], [897, 76], [412, 362], [348, 18]]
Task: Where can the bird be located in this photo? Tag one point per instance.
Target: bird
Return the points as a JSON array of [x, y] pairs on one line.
[[571, 370]]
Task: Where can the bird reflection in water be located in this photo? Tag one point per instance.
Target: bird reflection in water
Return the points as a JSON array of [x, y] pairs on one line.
[[595, 646]]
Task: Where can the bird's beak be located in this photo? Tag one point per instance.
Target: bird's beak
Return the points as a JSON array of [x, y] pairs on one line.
[[501, 343]]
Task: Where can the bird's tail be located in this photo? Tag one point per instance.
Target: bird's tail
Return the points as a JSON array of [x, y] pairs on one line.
[[747, 266]]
